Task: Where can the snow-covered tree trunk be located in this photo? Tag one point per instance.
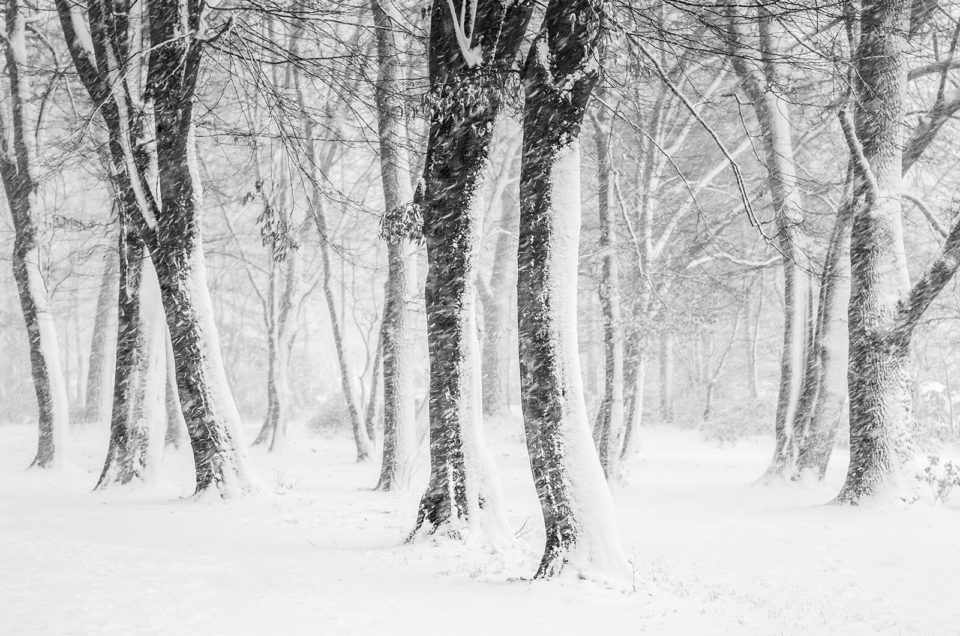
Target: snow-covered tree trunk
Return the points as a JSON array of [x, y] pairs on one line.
[[467, 84], [213, 421], [176, 426], [102, 345], [764, 89], [363, 443], [824, 398], [18, 171], [137, 421], [634, 410], [880, 311], [401, 231], [610, 420], [561, 71], [497, 298]]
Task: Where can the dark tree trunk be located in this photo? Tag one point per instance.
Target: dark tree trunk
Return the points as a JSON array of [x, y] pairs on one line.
[[467, 92], [559, 76], [17, 170], [878, 376], [773, 115], [213, 422], [136, 431], [824, 396]]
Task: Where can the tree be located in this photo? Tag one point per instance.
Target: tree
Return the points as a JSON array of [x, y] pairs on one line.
[[468, 76], [18, 169], [560, 73], [401, 230], [884, 309], [608, 430], [177, 39], [763, 88], [103, 344]]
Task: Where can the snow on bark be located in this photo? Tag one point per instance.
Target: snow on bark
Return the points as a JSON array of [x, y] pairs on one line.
[[137, 428], [402, 234], [610, 419], [17, 169], [213, 422], [762, 87], [465, 102], [577, 507], [102, 346], [561, 71], [881, 440]]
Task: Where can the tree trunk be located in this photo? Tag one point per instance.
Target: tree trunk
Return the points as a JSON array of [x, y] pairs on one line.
[[666, 377], [17, 170], [497, 299], [176, 425], [611, 412], [136, 431], [398, 403], [103, 345], [773, 115], [560, 74], [467, 91], [634, 418], [824, 395], [362, 442], [880, 418], [213, 421], [399, 217]]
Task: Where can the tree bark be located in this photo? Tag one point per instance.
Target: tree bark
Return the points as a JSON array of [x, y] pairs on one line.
[[18, 171], [880, 418], [213, 421], [401, 232], [136, 430], [467, 84], [559, 77], [497, 299], [103, 345], [773, 116], [611, 413]]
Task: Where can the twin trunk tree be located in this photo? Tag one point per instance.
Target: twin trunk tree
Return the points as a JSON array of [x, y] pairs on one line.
[[18, 169], [560, 73]]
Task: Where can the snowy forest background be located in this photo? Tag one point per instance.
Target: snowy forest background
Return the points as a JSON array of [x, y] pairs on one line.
[[329, 345]]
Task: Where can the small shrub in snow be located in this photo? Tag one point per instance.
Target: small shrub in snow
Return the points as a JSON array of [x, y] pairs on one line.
[[941, 476]]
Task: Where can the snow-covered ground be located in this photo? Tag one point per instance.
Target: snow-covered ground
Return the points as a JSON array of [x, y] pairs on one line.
[[323, 554]]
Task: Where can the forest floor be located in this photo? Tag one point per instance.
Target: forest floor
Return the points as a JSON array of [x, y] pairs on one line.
[[713, 552]]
